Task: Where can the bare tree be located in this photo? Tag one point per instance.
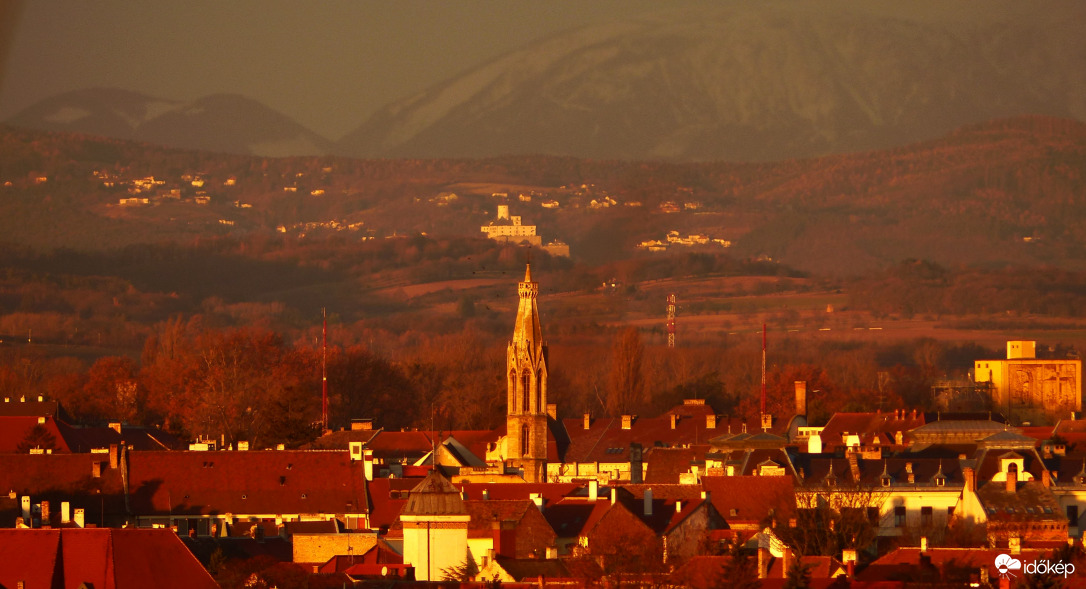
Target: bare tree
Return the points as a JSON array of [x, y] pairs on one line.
[[829, 519], [626, 380]]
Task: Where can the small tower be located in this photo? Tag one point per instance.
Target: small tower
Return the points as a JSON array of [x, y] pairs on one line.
[[526, 377], [435, 528]]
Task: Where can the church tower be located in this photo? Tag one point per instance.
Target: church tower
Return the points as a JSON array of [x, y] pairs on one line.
[[526, 374]]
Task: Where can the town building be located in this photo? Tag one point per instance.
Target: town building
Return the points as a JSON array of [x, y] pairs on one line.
[[1023, 381]]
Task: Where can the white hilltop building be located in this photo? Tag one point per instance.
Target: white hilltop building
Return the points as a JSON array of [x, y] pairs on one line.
[[510, 228]]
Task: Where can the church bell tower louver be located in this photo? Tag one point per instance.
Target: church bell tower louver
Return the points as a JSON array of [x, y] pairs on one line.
[[526, 373]]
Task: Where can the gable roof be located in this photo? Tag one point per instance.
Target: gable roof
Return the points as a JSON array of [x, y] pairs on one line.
[[606, 441], [750, 498], [103, 558]]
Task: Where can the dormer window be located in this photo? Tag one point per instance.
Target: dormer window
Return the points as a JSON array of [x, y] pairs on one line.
[[886, 481]]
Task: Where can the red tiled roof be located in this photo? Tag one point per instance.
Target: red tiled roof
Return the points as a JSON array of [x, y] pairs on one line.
[[751, 497], [14, 429], [869, 426], [666, 464], [106, 558], [384, 508], [28, 408], [258, 482], [606, 441], [550, 492]]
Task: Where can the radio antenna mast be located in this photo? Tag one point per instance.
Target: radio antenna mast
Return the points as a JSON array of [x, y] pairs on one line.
[[324, 369]]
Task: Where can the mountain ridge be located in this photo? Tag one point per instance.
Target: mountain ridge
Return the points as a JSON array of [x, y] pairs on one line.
[[227, 123], [746, 83]]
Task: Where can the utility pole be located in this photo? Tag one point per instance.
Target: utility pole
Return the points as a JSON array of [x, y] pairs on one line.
[[671, 320]]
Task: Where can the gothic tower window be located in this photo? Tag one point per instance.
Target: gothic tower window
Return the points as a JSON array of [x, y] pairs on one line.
[[539, 392], [524, 440], [512, 391], [526, 390]]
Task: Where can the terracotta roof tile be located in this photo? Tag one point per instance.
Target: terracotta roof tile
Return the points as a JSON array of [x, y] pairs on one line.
[[749, 498], [123, 559]]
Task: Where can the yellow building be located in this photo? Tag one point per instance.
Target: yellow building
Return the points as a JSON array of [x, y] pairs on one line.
[[1024, 381]]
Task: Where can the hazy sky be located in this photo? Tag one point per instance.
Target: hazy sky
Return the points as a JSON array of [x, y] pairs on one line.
[[328, 65]]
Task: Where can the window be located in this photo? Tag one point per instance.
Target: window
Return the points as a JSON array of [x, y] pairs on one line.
[[524, 440], [1072, 515], [926, 517], [513, 390], [899, 516], [873, 515], [539, 392], [525, 390]]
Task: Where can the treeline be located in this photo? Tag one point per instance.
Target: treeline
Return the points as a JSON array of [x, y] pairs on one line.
[[249, 384]]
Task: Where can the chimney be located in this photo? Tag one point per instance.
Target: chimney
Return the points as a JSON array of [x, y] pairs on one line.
[[587, 420], [674, 420], [648, 502], [923, 544], [1012, 481], [614, 495], [113, 448], [96, 469], [243, 446], [115, 426], [593, 489], [627, 421], [552, 410], [1046, 478], [65, 512], [45, 515], [361, 424], [899, 438], [537, 498], [486, 494], [970, 479], [552, 553], [678, 507], [801, 397], [367, 463], [710, 421], [25, 503], [80, 518], [849, 556], [814, 444], [505, 542], [1014, 543], [763, 562]]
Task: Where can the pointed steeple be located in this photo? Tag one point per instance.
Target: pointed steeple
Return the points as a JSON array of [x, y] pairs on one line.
[[527, 333], [526, 400]]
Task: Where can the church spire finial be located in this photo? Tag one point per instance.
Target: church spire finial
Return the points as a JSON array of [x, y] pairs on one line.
[[528, 272]]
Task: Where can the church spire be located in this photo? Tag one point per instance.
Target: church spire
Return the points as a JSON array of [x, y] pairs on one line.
[[527, 333], [526, 369]]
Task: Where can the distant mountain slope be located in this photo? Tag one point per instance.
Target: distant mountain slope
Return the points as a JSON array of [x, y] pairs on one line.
[[222, 123], [754, 81], [1004, 193]]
